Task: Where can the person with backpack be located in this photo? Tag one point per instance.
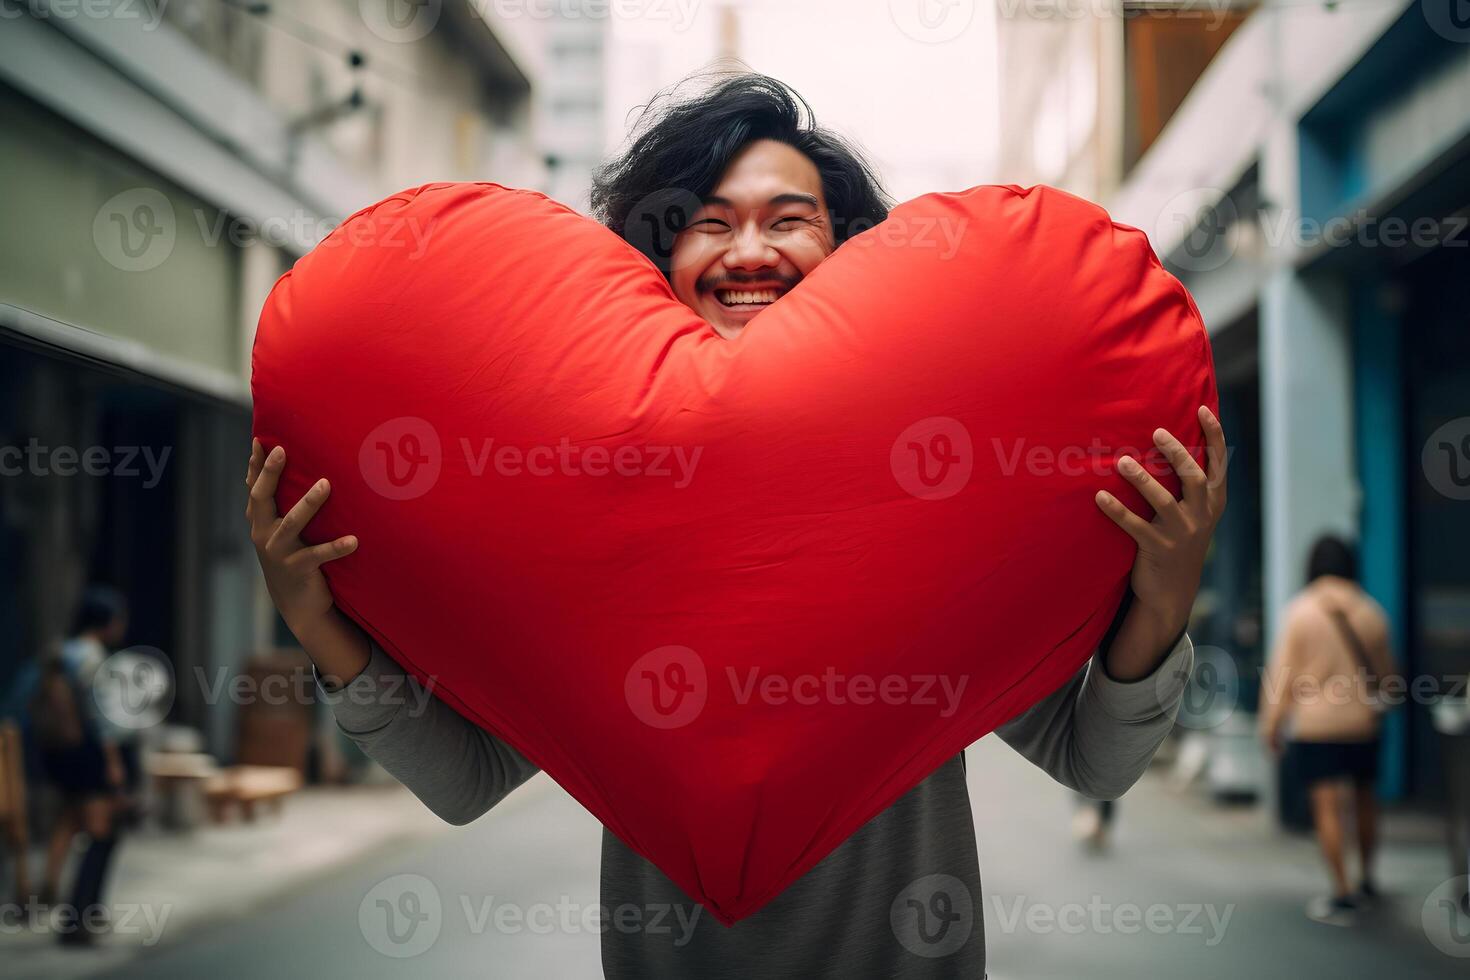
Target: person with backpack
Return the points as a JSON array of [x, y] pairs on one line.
[[81, 759], [1321, 711]]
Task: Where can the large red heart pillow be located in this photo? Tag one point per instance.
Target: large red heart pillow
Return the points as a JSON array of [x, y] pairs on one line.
[[736, 597]]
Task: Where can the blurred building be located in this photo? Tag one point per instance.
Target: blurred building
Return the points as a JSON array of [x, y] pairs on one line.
[[163, 165], [1304, 168]]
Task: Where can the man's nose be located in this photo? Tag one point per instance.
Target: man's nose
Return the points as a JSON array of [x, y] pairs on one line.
[[750, 250]]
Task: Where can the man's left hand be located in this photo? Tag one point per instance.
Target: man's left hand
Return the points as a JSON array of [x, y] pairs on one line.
[[1171, 547]]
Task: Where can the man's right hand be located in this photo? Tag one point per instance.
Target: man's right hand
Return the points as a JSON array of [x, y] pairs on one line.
[[291, 567]]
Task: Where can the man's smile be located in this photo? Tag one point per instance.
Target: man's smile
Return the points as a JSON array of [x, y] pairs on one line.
[[755, 296]]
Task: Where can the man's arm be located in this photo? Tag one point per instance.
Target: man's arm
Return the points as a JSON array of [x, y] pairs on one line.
[[458, 769], [1096, 734]]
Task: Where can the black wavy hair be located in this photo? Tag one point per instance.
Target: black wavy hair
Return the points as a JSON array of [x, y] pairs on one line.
[[682, 144]]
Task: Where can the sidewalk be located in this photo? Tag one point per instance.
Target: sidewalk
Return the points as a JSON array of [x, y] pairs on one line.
[[165, 886], [1188, 888]]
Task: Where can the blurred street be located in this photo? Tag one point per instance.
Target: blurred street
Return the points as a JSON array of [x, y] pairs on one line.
[[1233, 887]]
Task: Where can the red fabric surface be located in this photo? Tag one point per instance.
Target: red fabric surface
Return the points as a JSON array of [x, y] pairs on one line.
[[630, 623]]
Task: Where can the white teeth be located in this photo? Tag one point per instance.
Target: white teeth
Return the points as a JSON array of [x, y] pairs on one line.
[[732, 297]]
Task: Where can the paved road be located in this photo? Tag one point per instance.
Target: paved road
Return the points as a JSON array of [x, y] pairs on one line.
[[1188, 890]]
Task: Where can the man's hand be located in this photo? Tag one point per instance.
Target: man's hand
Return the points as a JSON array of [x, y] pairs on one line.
[[292, 569], [1171, 547]]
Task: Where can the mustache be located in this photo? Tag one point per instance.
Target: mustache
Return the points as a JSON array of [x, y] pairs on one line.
[[725, 280]]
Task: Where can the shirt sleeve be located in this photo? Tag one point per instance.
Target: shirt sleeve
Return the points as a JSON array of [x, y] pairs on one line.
[[1096, 734], [456, 768]]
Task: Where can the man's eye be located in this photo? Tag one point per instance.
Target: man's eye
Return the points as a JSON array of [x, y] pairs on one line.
[[708, 224], [789, 221]]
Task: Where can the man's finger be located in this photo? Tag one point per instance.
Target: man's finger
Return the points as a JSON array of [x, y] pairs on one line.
[[1159, 498], [257, 459], [263, 493], [1217, 454], [320, 554], [1138, 528], [288, 531], [1179, 458]]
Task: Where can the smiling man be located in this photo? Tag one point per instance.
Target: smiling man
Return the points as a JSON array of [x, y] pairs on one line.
[[737, 196]]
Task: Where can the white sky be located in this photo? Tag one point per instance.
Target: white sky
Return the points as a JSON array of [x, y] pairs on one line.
[[918, 94]]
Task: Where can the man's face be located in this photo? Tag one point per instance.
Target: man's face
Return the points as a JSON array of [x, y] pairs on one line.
[[763, 228]]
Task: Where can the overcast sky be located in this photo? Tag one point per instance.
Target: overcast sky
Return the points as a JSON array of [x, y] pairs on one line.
[[913, 81]]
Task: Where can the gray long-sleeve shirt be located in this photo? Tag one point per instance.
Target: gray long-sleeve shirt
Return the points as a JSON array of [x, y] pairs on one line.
[[899, 898]]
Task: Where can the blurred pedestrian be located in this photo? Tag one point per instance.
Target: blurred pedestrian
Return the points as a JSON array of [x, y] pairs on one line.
[[1092, 824], [80, 758], [1322, 684]]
